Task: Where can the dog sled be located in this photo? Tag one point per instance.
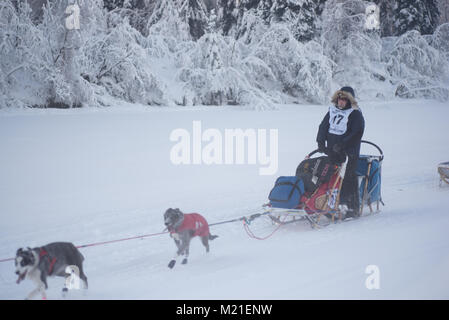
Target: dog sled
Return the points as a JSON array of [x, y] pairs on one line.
[[313, 194]]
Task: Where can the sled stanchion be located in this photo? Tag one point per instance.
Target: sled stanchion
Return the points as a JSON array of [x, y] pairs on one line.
[[341, 176], [365, 188], [338, 203]]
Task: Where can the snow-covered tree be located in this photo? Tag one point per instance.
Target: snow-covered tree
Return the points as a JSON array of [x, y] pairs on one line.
[[440, 39], [165, 21], [118, 61], [285, 10], [227, 14], [136, 11], [306, 26], [302, 70], [418, 69], [340, 20], [387, 18], [443, 7], [48, 55], [420, 15], [194, 13], [251, 27], [356, 51], [216, 52], [299, 15], [18, 48]]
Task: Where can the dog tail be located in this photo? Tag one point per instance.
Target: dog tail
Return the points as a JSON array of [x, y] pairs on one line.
[[212, 237]]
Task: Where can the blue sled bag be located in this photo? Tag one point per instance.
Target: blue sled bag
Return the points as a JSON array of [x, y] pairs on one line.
[[286, 193]]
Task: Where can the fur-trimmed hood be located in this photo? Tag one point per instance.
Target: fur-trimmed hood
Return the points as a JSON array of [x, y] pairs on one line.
[[346, 94]]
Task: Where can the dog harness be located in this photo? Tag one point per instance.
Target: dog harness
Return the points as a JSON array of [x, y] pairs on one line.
[[196, 222], [43, 253]]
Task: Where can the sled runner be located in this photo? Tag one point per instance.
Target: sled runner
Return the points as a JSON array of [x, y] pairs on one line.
[[313, 194], [443, 170]]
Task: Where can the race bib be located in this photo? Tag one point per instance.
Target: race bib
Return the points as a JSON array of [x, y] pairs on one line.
[[338, 120]]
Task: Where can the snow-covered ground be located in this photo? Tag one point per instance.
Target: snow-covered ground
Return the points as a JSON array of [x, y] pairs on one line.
[[92, 175]]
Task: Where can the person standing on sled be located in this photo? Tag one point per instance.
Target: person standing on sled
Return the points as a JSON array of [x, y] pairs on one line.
[[342, 128]]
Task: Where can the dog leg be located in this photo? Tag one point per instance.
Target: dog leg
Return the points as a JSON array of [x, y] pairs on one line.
[[182, 242], [32, 294], [39, 289], [205, 242], [65, 290], [186, 255], [84, 278], [185, 247], [36, 276], [172, 262]]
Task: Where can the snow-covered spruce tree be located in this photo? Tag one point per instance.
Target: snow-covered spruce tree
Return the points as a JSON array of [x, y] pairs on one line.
[[300, 15], [49, 73], [227, 14], [387, 18], [355, 50], [417, 69], [420, 15], [213, 75], [340, 19], [443, 7], [302, 69], [116, 59], [136, 11], [440, 40], [194, 13], [251, 26], [203, 74], [285, 10], [113, 4], [18, 45], [255, 17], [165, 22], [307, 24]]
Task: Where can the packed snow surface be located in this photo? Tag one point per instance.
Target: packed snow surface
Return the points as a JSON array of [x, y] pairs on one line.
[[91, 175]]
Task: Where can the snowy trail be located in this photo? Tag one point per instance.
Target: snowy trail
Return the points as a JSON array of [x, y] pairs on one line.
[[96, 175]]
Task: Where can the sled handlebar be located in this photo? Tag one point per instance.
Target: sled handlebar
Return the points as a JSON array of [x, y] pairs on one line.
[[381, 157], [312, 153]]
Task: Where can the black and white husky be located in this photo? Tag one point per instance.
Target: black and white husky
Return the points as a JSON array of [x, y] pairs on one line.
[[60, 259]]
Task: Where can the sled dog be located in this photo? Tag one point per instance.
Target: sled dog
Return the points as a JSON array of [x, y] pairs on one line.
[[54, 259], [183, 227]]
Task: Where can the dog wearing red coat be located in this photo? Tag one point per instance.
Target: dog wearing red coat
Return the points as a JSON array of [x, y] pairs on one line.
[[183, 227]]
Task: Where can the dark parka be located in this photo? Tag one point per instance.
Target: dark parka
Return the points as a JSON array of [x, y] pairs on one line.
[[349, 141], [346, 143]]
